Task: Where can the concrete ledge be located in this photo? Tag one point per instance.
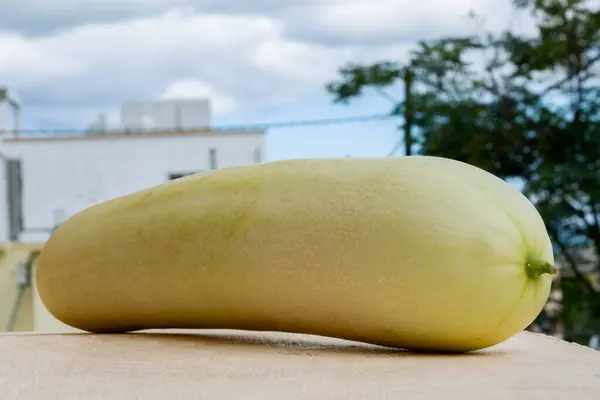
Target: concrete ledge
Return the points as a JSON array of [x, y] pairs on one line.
[[242, 365]]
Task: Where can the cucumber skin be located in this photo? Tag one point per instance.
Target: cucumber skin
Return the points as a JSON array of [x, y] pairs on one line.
[[384, 251]]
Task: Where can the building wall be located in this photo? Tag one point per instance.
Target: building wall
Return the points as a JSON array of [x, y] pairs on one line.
[[64, 176], [4, 216], [5, 118]]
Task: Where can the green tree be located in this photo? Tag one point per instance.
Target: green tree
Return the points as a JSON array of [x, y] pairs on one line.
[[522, 107]]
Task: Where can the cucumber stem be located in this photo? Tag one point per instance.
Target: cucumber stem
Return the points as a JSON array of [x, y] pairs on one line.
[[535, 267]]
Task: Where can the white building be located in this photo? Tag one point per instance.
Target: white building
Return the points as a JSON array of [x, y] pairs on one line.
[[49, 178]]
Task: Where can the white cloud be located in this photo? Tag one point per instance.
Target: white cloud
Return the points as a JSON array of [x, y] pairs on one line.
[[44, 17], [141, 49], [23, 61], [240, 60], [393, 21]]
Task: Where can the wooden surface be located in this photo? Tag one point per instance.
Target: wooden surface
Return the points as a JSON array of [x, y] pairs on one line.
[[243, 365]]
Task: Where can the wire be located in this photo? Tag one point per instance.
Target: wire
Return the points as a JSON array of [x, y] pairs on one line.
[[396, 147], [294, 124], [230, 127]]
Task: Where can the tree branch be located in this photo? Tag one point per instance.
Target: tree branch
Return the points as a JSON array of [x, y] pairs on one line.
[[386, 95], [569, 77]]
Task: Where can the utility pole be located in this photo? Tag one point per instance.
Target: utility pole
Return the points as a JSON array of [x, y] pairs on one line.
[[407, 113], [408, 110]]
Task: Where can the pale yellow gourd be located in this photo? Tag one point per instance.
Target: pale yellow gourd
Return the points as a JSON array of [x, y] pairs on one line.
[[415, 252]]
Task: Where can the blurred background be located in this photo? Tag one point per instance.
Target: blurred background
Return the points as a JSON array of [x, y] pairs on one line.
[[100, 98]]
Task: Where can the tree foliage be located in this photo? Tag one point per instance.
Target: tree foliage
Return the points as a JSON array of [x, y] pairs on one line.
[[522, 107]]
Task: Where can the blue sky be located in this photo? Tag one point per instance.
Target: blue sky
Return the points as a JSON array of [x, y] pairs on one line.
[[374, 138]]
